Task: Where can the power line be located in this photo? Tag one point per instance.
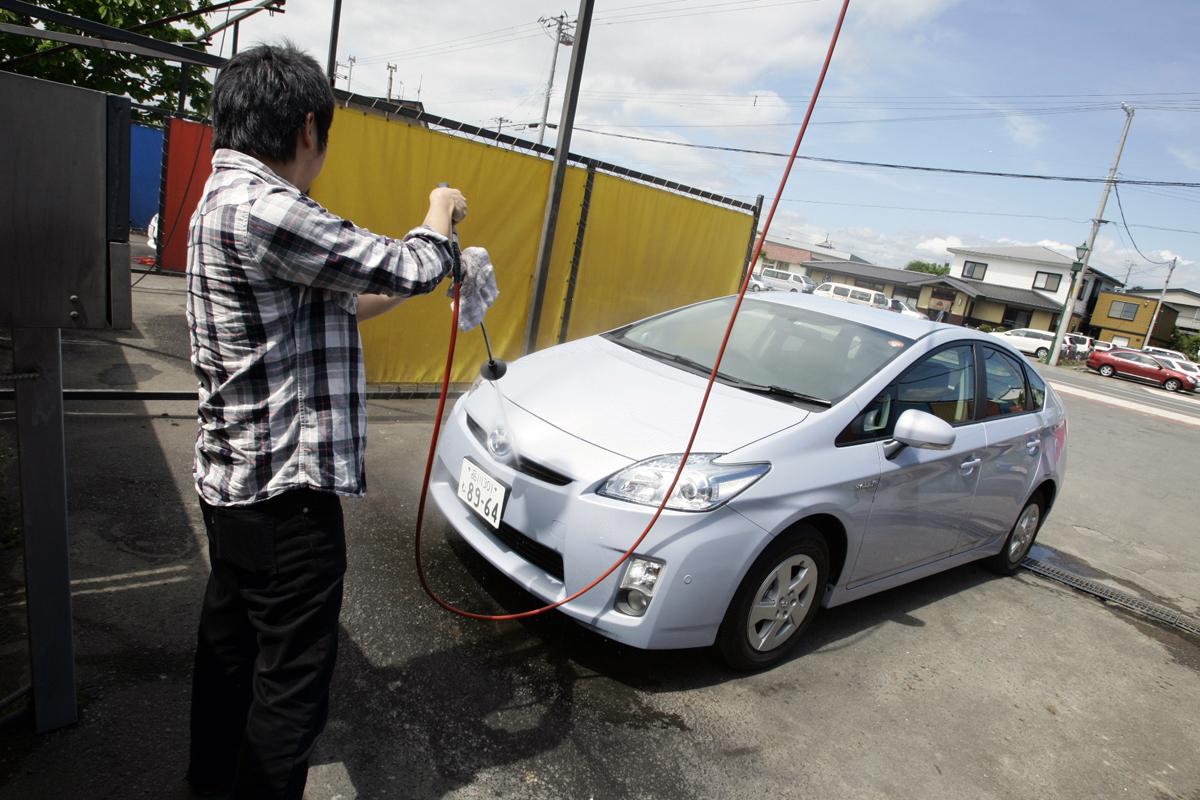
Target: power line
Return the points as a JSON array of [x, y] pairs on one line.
[[1121, 208], [886, 165], [932, 210]]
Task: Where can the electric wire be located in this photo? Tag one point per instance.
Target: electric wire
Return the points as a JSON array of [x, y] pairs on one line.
[[699, 415], [887, 165], [1121, 208]]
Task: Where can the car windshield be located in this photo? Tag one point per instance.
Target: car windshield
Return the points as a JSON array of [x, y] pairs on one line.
[[795, 351]]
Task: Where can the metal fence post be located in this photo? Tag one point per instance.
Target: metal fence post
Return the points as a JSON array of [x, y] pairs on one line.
[[43, 471], [569, 301], [746, 265]]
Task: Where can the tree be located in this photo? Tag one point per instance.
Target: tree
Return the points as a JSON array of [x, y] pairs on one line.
[[929, 267], [1186, 343], [144, 79]]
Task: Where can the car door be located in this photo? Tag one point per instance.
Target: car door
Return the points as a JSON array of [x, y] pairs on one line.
[[1014, 440], [924, 497], [1135, 365]]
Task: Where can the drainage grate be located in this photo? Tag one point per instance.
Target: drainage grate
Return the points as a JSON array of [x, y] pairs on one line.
[[1152, 610]]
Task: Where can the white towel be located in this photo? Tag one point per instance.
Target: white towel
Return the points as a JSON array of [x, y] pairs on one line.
[[478, 290]]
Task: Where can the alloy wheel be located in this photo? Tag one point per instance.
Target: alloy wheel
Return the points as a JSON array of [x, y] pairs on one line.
[[1023, 533], [781, 603]]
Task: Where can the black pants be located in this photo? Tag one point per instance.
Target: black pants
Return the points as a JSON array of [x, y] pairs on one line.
[[267, 642]]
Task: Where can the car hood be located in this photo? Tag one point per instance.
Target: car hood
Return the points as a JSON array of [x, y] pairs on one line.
[[635, 406]]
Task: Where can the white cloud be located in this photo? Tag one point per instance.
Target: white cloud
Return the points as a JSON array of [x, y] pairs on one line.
[[1190, 158], [937, 245]]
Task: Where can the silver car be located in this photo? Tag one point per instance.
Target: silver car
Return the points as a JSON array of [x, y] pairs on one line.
[[845, 450]]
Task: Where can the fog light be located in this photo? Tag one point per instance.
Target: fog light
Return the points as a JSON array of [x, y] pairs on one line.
[[638, 584]]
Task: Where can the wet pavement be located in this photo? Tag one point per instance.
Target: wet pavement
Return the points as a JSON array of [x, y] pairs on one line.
[[960, 685]]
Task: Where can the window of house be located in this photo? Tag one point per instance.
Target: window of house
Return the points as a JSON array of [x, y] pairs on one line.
[[974, 270], [1016, 317], [878, 287], [1048, 281], [1122, 310]]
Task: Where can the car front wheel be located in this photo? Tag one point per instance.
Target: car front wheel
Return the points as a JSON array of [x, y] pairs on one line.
[[775, 602], [1106, 370], [1042, 352], [1172, 384], [1020, 538]]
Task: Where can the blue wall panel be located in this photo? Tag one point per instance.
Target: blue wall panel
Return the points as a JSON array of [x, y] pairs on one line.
[[145, 173]]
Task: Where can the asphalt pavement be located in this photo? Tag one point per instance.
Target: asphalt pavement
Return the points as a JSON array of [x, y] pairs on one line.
[[960, 685]]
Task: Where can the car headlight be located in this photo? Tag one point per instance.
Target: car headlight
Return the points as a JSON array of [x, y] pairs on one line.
[[702, 486]]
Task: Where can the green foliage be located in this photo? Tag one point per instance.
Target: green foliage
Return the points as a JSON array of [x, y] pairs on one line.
[[1184, 342], [144, 79], [929, 267]]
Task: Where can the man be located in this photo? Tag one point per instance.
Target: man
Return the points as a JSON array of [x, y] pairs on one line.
[[276, 288]]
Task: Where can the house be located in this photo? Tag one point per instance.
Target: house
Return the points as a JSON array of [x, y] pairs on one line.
[[1016, 283], [1124, 319], [789, 258], [942, 297], [1185, 300]]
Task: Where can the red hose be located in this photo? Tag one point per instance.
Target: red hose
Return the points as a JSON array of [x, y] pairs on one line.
[[437, 422]]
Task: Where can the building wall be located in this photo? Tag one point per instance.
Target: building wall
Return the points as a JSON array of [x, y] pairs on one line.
[[1015, 274], [988, 311], [1188, 305], [1042, 320], [1135, 328]]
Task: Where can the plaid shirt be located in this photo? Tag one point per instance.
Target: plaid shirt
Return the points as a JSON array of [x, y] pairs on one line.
[[273, 284]]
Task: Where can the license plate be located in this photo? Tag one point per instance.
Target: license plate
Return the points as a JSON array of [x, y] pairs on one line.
[[481, 492]]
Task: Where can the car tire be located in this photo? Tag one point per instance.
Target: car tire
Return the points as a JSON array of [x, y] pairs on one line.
[[793, 290], [1106, 370], [776, 615], [1042, 352], [1172, 384], [1020, 538]]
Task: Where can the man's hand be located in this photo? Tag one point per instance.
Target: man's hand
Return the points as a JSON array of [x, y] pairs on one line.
[[446, 207]]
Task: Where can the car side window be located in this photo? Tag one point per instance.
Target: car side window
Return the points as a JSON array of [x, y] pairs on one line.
[[841, 291], [1037, 391], [1005, 389], [942, 384]]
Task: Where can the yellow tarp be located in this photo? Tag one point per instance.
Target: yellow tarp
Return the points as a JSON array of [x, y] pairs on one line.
[[645, 249]]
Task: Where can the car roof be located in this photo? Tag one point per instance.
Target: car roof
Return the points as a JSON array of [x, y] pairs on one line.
[[890, 321]]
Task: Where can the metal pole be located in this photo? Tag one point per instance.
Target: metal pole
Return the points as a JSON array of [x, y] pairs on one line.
[[550, 83], [580, 232], [391, 69], [1072, 296], [237, 27], [183, 88], [558, 172], [746, 265], [350, 71], [43, 469], [333, 39], [1161, 296]]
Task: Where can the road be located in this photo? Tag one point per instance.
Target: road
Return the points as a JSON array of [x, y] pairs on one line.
[[960, 685], [1128, 391]]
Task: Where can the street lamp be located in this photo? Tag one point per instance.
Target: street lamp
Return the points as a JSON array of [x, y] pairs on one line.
[[1081, 253]]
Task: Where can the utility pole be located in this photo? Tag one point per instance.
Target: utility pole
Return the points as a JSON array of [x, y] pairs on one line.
[[1161, 296], [1064, 320], [350, 72], [333, 39], [391, 68], [1128, 272], [558, 171], [500, 122], [560, 37]]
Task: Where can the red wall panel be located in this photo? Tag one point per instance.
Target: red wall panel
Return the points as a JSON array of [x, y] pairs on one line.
[[189, 162]]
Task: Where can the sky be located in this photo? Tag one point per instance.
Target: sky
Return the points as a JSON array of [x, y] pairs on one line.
[[1017, 86]]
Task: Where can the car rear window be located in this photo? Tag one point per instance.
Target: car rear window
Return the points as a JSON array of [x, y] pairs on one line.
[[772, 344]]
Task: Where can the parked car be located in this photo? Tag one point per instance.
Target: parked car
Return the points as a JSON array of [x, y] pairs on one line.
[[757, 284], [1141, 367], [1189, 368], [853, 294], [1079, 344], [788, 281], [1028, 340], [843, 452], [904, 309], [1103, 346], [1162, 351]]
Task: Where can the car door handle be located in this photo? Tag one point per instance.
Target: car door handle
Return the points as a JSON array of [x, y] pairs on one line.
[[1032, 446], [966, 467]]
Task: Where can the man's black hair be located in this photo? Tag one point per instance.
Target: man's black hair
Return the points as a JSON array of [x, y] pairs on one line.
[[261, 98]]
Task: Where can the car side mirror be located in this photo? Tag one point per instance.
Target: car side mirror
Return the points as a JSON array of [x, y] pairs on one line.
[[922, 430]]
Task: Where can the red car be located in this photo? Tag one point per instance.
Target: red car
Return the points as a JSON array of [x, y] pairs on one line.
[[1140, 367]]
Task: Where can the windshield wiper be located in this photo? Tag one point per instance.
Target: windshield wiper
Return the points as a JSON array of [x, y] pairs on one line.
[[661, 355], [776, 391]]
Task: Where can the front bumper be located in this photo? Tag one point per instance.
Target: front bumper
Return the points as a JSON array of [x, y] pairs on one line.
[[705, 554]]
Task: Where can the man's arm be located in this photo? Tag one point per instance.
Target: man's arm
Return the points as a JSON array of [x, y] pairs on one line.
[[372, 305], [298, 241]]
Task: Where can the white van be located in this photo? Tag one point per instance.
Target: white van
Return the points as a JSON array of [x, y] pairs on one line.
[[853, 294], [1162, 351], [787, 281]]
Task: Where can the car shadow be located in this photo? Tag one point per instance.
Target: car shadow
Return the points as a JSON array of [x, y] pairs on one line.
[[674, 670]]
